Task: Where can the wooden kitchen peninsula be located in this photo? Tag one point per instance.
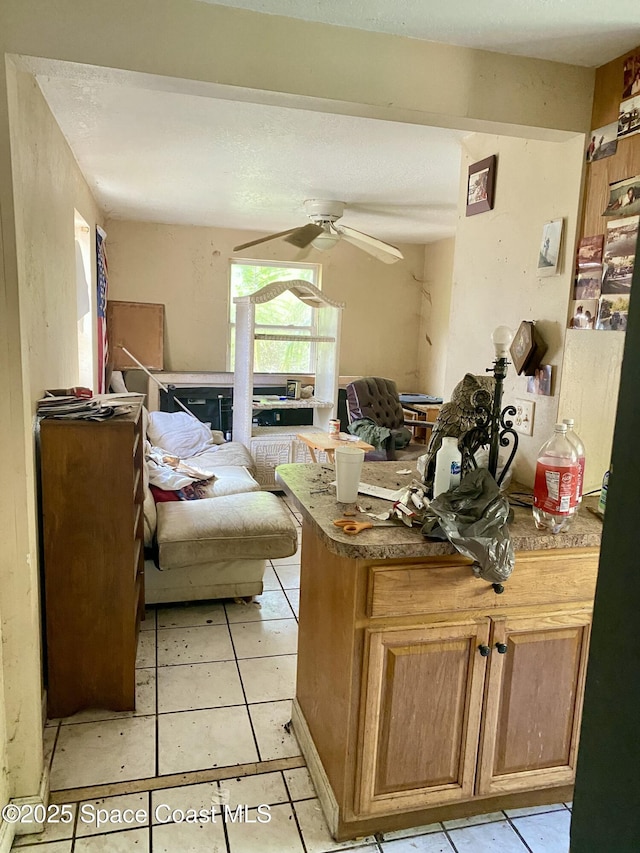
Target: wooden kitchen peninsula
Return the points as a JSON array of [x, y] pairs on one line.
[[422, 694]]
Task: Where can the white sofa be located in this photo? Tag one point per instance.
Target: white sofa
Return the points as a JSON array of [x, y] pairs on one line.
[[217, 546]]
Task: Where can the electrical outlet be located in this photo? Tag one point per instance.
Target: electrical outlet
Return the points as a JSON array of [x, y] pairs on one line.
[[523, 420]]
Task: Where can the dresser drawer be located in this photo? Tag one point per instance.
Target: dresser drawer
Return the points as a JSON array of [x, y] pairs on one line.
[[443, 584]]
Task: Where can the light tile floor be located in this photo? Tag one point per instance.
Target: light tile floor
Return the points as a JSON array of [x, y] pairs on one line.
[[215, 683]]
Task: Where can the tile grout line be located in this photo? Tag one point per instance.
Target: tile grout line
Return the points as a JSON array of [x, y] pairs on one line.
[[150, 817], [225, 830], [75, 829], [294, 812], [53, 749], [487, 823], [244, 694], [157, 732], [515, 829]]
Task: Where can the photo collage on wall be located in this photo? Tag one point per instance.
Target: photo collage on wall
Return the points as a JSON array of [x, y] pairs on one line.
[[603, 277], [603, 141], [629, 117], [604, 265]]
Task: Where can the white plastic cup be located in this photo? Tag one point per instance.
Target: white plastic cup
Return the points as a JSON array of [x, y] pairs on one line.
[[348, 469]]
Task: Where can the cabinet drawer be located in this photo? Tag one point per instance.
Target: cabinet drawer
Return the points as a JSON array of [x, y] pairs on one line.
[[444, 584]]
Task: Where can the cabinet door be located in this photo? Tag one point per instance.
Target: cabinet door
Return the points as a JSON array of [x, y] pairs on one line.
[[423, 696], [531, 719]]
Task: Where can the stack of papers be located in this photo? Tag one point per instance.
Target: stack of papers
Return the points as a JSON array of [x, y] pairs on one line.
[[82, 408]]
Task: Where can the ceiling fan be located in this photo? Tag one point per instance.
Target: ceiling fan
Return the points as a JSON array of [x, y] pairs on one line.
[[323, 233]]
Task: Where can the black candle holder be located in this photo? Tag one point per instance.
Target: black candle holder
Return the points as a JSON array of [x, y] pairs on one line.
[[493, 428]]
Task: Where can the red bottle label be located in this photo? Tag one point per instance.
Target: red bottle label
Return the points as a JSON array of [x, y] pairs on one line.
[[554, 489], [581, 464]]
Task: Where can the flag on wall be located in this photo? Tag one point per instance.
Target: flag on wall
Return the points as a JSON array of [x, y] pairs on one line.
[[103, 348]]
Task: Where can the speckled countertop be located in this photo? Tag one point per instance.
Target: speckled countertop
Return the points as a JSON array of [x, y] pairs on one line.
[[309, 487]]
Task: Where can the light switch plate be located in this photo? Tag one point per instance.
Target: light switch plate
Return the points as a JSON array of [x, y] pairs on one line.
[[523, 420]]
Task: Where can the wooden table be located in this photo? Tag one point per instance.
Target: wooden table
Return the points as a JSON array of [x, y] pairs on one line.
[[323, 441], [424, 415]]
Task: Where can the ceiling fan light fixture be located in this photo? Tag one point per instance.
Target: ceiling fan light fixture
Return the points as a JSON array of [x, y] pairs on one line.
[[322, 233], [325, 241]]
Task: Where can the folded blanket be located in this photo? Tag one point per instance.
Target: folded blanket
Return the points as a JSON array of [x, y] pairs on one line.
[[369, 431]]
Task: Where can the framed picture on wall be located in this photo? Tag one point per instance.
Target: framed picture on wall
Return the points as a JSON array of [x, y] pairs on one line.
[[481, 185], [549, 254], [540, 382]]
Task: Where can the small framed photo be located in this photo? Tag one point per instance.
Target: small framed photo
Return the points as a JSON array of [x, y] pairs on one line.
[[603, 142], [612, 312], [631, 76], [549, 254], [588, 283], [540, 382], [293, 389], [629, 117], [590, 251], [583, 314], [480, 186], [624, 198]]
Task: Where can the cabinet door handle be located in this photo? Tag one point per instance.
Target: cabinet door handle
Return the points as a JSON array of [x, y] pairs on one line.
[[497, 588], [502, 648], [484, 650]]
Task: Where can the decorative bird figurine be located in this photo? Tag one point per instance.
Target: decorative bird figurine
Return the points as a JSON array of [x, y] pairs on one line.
[[458, 416]]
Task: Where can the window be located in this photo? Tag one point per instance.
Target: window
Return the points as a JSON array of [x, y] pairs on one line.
[[284, 315]]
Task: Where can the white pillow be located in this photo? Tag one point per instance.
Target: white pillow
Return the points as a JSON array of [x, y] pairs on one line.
[[178, 433]]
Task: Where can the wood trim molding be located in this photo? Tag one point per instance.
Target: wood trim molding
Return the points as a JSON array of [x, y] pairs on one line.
[[316, 770], [15, 829], [7, 834]]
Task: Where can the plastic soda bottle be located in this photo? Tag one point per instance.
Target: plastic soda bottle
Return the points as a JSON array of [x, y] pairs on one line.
[[555, 500], [575, 439], [602, 501]]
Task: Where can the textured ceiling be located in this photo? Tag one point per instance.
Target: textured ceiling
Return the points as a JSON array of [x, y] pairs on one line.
[[580, 32], [167, 157]]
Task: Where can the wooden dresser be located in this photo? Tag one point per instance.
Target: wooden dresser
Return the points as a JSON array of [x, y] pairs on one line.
[[92, 528]]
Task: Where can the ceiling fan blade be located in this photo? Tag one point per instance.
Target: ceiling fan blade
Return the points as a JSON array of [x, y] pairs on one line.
[[302, 237], [303, 254], [263, 239], [378, 248]]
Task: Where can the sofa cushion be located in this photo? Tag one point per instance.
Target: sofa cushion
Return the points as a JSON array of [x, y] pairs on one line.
[[247, 526], [178, 433], [148, 509], [232, 453], [230, 480]]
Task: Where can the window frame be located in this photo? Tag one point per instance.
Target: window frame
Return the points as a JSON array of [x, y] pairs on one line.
[[264, 327]]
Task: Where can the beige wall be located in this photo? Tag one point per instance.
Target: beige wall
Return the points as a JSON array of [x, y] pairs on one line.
[[347, 70], [495, 279], [48, 186], [433, 338], [274, 59], [589, 395], [187, 269]]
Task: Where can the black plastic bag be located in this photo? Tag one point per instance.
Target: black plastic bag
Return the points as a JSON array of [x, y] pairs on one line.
[[473, 517]]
